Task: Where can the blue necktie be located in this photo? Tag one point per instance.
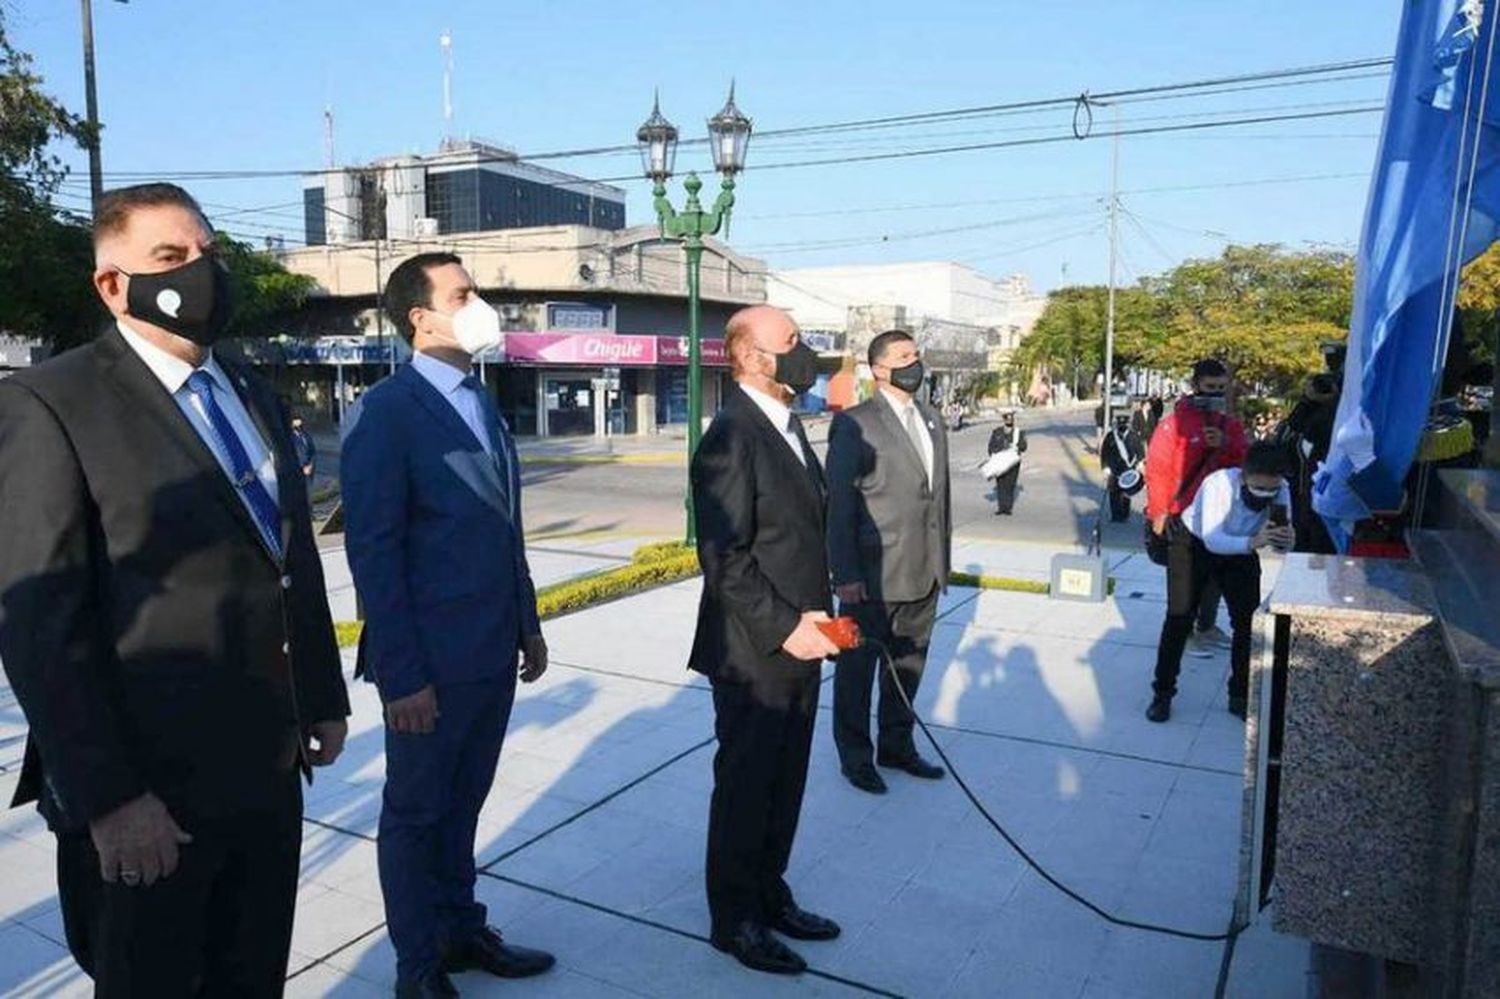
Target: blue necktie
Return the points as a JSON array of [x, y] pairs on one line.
[[491, 429], [267, 514]]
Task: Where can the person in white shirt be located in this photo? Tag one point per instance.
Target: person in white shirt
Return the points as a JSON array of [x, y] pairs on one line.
[[1237, 512]]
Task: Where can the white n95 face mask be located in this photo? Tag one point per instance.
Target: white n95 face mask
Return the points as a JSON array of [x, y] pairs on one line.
[[476, 326]]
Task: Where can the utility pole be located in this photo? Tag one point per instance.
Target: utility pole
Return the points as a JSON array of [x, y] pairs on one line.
[[91, 97], [91, 103], [1114, 252]]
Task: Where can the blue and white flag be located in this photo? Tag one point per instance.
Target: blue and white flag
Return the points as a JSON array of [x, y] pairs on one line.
[[1434, 205]]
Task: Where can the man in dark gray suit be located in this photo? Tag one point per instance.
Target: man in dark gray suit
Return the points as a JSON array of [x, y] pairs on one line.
[[890, 540]]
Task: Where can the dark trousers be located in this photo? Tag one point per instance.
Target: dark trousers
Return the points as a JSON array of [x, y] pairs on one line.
[[765, 734], [1208, 604], [220, 926], [1190, 568], [435, 785], [905, 629], [1119, 504], [1005, 490]]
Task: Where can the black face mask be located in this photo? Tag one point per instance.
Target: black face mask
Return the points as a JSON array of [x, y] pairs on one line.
[[193, 301], [797, 369], [909, 378], [1253, 502]]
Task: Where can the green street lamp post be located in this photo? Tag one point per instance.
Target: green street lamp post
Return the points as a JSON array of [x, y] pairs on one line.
[[729, 136]]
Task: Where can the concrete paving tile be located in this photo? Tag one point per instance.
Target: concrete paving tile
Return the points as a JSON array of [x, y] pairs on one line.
[[33, 966], [327, 919], [920, 943], [1269, 965], [335, 860], [325, 981], [29, 886], [985, 976], [1150, 964], [1041, 929], [1182, 893]]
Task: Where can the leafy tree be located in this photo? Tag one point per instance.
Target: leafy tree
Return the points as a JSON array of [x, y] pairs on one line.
[[265, 293], [45, 258], [46, 255], [1261, 309]]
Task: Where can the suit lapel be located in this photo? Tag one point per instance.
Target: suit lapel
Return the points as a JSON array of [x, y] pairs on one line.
[[130, 376], [809, 475], [447, 417], [904, 445]]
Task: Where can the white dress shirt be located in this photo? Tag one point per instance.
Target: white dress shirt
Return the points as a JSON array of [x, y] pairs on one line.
[[448, 380], [173, 374], [780, 416], [902, 408], [1220, 519]]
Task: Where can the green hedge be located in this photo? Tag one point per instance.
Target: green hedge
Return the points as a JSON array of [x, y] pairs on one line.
[[997, 583], [651, 566], [671, 562]]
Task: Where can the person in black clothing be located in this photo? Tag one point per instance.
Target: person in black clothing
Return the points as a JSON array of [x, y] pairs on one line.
[[164, 623], [1121, 451], [1005, 436], [761, 503], [307, 451], [1307, 436]]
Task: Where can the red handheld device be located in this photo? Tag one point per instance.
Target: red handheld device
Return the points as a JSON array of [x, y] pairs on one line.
[[842, 631]]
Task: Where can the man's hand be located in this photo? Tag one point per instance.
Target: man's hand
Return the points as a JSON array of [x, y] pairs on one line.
[[415, 714], [1213, 437], [1280, 538], [137, 842], [533, 658], [807, 642], [850, 593], [323, 742], [1159, 524]]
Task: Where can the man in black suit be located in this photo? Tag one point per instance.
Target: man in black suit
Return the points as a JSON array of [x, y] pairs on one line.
[[1121, 451], [1005, 437], [164, 623], [890, 541], [760, 500]]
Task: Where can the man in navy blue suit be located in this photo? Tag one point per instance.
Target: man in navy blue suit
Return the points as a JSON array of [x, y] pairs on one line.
[[432, 506]]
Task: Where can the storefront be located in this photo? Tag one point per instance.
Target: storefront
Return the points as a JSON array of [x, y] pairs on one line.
[[600, 384]]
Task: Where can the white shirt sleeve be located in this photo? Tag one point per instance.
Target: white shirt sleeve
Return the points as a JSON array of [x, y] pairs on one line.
[[1213, 505]]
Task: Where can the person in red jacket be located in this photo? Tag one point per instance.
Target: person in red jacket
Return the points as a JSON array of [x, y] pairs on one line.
[[1196, 439]]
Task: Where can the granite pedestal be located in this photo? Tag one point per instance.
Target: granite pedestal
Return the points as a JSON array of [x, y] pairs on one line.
[[1373, 751]]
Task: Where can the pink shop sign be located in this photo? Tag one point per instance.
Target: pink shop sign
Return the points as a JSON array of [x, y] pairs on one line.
[[674, 350], [584, 349]]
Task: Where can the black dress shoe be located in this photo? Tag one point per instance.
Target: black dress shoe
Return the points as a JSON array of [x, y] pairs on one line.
[[753, 946], [433, 985], [914, 765], [866, 778], [486, 951], [1160, 709], [1239, 706], [799, 924]]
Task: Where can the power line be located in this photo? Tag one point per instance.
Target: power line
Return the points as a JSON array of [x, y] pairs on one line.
[[1329, 71]]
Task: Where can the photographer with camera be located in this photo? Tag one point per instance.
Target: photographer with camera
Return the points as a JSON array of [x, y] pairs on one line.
[[1198, 438], [1236, 512]]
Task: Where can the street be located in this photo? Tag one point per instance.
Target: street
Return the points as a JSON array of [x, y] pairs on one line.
[[1058, 500]]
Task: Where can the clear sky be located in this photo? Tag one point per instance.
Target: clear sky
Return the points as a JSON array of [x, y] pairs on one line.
[[231, 85]]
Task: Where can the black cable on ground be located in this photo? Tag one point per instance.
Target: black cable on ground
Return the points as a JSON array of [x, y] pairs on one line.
[[611, 796], [1230, 934], [667, 928]]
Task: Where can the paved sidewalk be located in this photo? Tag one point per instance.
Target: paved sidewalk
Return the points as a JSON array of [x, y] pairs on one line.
[[592, 840]]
